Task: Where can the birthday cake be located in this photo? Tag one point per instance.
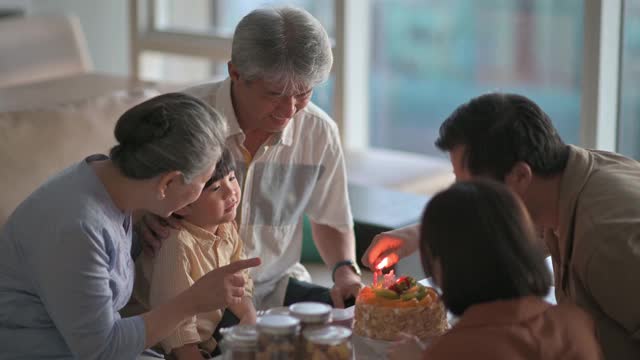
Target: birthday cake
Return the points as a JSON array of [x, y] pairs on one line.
[[387, 308]]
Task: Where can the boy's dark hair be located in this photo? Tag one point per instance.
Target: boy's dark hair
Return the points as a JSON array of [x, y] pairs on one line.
[[223, 167], [498, 130], [486, 247]]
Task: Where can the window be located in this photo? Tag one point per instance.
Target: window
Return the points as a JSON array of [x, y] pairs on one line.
[[221, 16], [428, 57], [629, 127], [217, 18], [415, 61]]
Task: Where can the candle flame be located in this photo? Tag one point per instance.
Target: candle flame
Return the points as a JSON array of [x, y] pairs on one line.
[[383, 264]]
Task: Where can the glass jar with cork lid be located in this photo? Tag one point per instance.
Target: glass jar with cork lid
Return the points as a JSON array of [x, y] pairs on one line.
[[328, 342], [311, 314], [277, 337], [239, 342]]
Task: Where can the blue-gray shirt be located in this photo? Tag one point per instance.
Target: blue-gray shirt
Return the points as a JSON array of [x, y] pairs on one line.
[[65, 271]]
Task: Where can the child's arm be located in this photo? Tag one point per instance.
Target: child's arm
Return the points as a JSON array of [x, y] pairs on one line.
[[245, 311], [188, 352], [238, 254], [170, 278]]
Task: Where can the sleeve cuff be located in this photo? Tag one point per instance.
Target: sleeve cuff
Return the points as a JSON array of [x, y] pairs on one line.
[[186, 333]]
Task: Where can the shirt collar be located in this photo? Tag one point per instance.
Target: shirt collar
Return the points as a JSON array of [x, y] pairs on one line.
[[204, 237], [224, 105], [502, 312], [574, 178]]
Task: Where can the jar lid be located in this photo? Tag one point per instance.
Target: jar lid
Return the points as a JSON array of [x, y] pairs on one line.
[[278, 324], [327, 335], [240, 335], [280, 310], [311, 312], [341, 314]]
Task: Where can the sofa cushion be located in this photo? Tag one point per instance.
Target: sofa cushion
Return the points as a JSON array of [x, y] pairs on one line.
[[36, 144]]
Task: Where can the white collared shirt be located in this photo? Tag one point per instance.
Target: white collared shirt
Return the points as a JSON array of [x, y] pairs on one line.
[[298, 171]]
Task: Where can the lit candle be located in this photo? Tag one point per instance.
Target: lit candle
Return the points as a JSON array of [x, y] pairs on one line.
[[383, 264]]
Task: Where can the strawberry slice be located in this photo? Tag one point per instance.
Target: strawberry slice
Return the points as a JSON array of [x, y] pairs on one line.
[[403, 284]]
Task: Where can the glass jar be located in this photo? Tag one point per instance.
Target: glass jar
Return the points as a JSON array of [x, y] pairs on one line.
[[342, 317], [239, 342], [280, 310], [328, 342], [311, 314], [277, 337]]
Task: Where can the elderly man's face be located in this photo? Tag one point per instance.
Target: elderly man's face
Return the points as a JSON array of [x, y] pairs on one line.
[[263, 105]]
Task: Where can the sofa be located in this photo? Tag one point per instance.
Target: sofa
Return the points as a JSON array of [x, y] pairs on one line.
[[37, 142]]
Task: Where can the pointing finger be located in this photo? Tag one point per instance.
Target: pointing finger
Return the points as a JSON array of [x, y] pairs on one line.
[[241, 265]]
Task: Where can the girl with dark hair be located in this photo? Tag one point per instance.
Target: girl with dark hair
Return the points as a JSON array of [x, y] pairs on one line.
[[493, 276], [65, 263]]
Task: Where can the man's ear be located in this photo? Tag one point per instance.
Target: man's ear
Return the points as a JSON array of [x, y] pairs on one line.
[[165, 181], [233, 71], [519, 178]]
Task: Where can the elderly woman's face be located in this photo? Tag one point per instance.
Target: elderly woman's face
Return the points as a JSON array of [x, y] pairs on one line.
[[263, 106], [179, 194]]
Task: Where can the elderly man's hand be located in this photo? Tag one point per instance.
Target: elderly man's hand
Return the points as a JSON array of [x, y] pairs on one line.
[[347, 285]]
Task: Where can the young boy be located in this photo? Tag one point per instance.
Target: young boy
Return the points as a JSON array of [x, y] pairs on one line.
[[207, 240]]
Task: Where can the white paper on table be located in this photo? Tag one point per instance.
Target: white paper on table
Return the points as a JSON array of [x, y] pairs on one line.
[[370, 349]]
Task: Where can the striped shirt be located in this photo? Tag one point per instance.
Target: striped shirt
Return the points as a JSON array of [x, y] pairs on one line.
[[298, 171]]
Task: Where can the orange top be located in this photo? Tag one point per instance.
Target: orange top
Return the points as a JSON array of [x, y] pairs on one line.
[[526, 328]]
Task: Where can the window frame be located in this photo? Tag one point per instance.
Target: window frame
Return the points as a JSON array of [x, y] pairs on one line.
[[602, 55]]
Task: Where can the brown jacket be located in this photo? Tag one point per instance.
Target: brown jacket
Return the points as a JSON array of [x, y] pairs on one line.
[[527, 328], [596, 253]]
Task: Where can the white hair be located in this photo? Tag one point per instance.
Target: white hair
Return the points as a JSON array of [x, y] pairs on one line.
[[174, 131], [285, 46]]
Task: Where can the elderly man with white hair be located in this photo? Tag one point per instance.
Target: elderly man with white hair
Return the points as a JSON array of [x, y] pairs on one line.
[[288, 154]]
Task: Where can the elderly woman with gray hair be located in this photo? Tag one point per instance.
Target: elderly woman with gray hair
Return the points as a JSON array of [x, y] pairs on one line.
[[288, 154], [65, 264]]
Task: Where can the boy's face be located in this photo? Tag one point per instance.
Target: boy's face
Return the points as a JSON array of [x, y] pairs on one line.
[[217, 204]]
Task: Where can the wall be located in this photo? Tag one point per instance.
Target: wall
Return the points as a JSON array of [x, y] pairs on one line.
[[105, 25]]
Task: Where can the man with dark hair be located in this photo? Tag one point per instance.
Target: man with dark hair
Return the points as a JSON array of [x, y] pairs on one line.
[[587, 202]]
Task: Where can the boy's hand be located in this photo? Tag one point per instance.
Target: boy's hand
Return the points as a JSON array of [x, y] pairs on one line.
[[221, 287], [249, 319], [245, 311]]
